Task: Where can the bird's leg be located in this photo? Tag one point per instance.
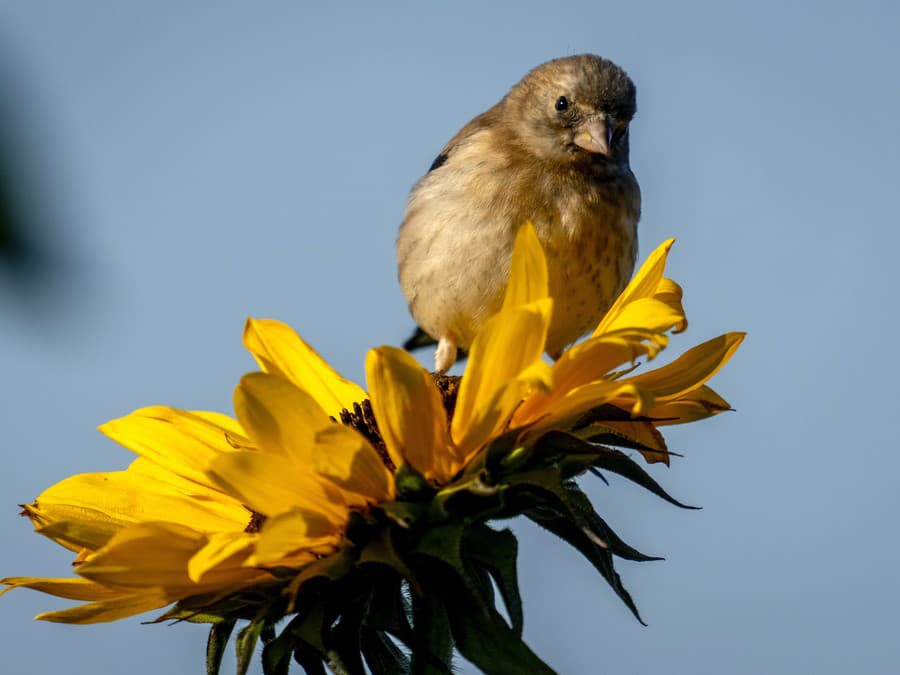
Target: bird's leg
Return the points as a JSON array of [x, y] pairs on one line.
[[445, 354]]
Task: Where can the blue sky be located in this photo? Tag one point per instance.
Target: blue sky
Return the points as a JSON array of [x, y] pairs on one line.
[[198, 164]]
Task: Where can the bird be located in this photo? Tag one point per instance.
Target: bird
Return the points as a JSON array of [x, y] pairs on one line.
[[553, 151]]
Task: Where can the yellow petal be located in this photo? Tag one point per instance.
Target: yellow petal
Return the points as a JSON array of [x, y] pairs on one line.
[[85, 510], [528, 280], [156, 555], [71, 588], [644, 284], [695, 405], [410, 412], [183, 442], [219, 549], [278, 416], [649, 314], [578, 401], [109, 610], [271, 484], [503, 366], [280, 351], [352, 464], [691, 369], [288, 533]]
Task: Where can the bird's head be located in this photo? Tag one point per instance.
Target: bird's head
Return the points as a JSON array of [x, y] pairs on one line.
[[574, 110]]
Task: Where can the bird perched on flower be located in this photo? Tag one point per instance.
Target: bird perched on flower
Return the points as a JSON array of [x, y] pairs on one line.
[[553, 151]]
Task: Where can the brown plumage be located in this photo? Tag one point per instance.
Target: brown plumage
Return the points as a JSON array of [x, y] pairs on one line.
[[554, 151]]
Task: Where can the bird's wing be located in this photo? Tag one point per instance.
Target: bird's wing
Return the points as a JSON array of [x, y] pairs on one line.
[[485, 120]]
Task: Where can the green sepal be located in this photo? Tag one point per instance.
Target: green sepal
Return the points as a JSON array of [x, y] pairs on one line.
[[309, 659], [496, 552], [432, 648], [577, 499], [579, 453], [410, 484], [404, 514], [382, 656], [389, 611], [479, 631], [442, 541], [331, 567], [216, 644], [600, 557], [276, 653], [245, 644], [380, 550]]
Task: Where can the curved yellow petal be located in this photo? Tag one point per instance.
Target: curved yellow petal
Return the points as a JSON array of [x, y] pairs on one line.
[[578, 401], [71, 588], [157, 555], [280, 351], [289, 533], [410, 412], [644, 285], [181, 441], [218, 550], [504, 363], [272, 484], [691, 369], [278, 416], [352, 464], [109, 610], [649, 314], [528, 278], [697, 404]]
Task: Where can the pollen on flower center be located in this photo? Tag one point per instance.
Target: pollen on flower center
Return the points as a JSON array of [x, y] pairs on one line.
[[257, 520], [363, 420], [448, 385]]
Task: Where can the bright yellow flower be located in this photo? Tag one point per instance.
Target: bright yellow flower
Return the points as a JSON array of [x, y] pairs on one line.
[[213, 503]]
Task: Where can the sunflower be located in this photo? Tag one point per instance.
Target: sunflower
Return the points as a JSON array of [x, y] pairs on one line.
[[365, 514]]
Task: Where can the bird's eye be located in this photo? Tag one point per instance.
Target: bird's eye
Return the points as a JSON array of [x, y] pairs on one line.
[[562, 103]]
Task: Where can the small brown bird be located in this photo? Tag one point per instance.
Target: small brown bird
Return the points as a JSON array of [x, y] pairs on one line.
[[553, 151]]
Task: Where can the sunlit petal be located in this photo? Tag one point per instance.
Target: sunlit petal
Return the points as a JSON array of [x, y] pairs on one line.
[[291, 532], [351, 463], [278, 416], [644, 284], [695, 405], [280, 351], [528, 277], [410, 412], [510, 344], [271, 484], [109, 610], [691, 369], [183, 442]]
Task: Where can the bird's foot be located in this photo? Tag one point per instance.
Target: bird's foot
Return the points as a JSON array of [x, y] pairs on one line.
[[445, 354]]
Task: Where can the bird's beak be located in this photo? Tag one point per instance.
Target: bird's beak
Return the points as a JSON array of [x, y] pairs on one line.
[[594, 135]]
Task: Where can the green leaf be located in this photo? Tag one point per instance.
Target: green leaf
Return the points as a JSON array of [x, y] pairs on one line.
[[215, 645], [382, 656], [480, 633], [245, 644], [497, 552]]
